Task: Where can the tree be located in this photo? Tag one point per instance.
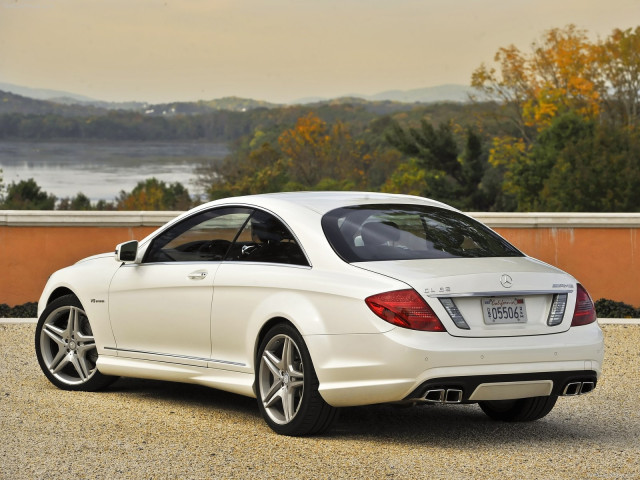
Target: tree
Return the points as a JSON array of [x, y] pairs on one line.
[[449, 175], [246, 172], [316, 152], [595, 168], [79, 202], [409, 178], [27, 195], [311, 155], [619, 83], [573, 106], [559, 75], [153, 194]]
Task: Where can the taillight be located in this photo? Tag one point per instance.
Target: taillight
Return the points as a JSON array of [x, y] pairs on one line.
[[405, 308], [585, 312]]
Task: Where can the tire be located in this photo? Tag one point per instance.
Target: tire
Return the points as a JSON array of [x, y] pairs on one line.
[[66, 349], [287, 385], [519, 410]]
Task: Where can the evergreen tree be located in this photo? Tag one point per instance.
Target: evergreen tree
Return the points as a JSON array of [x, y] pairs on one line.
[[27, 195]]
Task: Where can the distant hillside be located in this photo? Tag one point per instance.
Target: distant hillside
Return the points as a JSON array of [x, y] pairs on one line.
[[29, 101], [12, 103], [232, 104], [441, 93], [43, 94], [378, 107]]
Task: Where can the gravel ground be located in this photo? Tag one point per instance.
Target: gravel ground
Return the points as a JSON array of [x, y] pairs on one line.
[[140, 429]]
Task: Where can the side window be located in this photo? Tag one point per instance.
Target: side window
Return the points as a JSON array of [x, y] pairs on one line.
[[204, 237], [265, 239]]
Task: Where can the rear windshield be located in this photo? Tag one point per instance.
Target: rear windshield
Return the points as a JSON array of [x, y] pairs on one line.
[[404, 232]]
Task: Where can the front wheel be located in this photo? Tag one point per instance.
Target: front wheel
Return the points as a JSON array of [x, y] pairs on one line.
[[519, 410], [66, 349], [287, 385]]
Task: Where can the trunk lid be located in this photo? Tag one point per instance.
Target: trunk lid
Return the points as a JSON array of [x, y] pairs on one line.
[[494, 297]]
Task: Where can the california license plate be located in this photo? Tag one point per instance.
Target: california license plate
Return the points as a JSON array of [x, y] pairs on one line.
[[504, 310]]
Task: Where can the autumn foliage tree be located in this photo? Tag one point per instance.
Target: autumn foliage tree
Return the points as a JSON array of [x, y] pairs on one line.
[[561, 100], [310, 155], [154, 194], [619, 83], [320, 155]]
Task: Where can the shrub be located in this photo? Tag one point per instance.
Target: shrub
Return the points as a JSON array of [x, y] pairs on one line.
[[606, 308], [27, 310]]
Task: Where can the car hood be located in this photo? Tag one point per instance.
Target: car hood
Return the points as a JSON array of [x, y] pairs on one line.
[[469, 280], [96, 257]]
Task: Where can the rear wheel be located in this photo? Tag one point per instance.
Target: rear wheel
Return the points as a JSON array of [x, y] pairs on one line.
[[519, 410], [66, 349], [287, 385]]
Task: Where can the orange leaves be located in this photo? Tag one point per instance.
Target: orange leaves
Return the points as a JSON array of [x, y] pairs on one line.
[[317, 152], [559, 75], [154, 194], [565, 71]]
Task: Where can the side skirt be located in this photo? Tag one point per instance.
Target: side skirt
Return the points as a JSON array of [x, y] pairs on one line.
[[229, 381]]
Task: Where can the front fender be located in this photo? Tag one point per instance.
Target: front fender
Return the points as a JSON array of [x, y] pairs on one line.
[[89, 281]]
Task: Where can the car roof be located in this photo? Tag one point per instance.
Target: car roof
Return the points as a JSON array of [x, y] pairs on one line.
[[323, 202]]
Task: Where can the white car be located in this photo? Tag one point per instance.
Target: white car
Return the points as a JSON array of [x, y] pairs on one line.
[[312, 301]]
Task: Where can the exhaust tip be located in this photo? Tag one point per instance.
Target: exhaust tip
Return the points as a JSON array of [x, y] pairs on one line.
[[572, 389], [436, 395], [453, 395], [587, 387]]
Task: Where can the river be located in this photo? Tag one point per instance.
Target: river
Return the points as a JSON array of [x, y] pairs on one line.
[[101, 170]]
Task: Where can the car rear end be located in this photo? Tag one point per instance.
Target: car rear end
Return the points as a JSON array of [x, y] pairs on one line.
[[478, 322]]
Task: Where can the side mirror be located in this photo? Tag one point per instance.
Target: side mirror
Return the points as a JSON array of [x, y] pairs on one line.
[[127, 252]]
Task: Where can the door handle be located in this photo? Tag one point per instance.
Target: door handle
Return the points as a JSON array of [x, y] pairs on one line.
[[199, 275]]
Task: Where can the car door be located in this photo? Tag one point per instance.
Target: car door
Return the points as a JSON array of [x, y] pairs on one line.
[[264, 261], [160, 309]]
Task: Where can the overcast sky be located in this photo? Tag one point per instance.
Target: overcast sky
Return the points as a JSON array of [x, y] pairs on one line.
[[275, 50]]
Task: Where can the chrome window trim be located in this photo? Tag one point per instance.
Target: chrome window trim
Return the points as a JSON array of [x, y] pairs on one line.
[[217, 262]]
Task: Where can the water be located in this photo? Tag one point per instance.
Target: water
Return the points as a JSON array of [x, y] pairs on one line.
[[101, 170]]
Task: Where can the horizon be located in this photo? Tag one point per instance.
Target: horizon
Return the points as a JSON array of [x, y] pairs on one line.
[[161, 51], [38, 93]]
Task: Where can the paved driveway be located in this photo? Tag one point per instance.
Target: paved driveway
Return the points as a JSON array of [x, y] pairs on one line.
[[142, 429]]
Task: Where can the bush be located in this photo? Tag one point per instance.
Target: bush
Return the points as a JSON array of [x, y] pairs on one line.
[[606, 308], [28, 310]]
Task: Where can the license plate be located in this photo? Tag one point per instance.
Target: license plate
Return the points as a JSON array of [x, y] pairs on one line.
[[498, 310]]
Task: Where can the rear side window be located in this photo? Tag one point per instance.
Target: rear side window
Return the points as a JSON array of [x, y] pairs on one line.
[[403, 232]]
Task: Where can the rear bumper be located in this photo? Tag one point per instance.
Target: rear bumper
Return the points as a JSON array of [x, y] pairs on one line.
[[503, 387], [395, 366]]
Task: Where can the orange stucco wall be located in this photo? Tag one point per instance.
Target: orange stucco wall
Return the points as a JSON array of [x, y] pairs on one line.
[[605, 260], [29, 255]]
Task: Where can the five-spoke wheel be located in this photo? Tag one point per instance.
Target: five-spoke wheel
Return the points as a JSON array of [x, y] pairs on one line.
[[65, 346], [281, 379], [287, 385]]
